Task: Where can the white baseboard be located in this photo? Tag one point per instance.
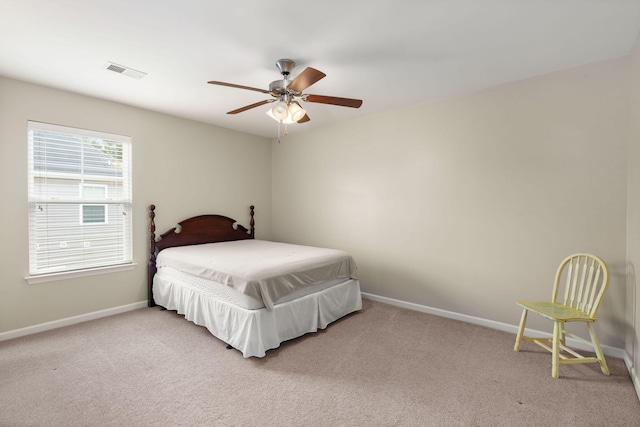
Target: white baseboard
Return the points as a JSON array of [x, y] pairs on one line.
[[70, 321], [505, 327]]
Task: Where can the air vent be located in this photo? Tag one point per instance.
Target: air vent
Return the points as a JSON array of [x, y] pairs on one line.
[[121, 69]]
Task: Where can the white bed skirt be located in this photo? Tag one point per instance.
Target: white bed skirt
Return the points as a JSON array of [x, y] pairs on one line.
[[254, 331]]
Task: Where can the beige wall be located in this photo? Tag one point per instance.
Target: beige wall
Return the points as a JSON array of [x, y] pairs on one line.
[[633, 220], [464, 205], [470, 203], [184, 167]]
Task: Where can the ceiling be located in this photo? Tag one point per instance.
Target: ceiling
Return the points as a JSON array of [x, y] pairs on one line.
[[390, 53]]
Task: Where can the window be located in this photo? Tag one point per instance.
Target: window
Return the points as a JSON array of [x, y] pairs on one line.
[[79, 199], [93, 214]]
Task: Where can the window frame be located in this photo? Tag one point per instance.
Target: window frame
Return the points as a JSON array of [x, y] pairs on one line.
[[118, 171]]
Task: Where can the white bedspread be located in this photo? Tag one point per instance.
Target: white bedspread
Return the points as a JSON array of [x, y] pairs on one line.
[[261, 269]]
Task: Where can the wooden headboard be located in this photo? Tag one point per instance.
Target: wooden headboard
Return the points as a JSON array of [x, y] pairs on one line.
[[193, 231]]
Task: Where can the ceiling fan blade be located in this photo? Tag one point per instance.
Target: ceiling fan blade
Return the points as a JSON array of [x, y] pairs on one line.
[[305, 79], [333, 100], [248, 107], [238, 86]]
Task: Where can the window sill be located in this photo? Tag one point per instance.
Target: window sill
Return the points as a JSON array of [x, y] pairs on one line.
[[52, 277]]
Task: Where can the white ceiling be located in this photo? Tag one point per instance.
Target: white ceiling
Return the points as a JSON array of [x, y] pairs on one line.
[[390, 53]]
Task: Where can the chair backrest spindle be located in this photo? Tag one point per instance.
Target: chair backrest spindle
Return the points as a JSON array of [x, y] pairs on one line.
[[583, 282], [567, 286], [593, 290], [589, 284], [574, 283]]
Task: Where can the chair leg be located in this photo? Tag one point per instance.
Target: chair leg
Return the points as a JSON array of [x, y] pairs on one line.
[[557, 336], [523, 321], [596, 345]]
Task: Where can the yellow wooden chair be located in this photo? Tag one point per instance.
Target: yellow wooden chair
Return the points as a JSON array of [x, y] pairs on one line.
[[585, 278]]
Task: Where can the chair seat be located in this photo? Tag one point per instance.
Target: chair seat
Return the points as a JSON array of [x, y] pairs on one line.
[[555, 311]]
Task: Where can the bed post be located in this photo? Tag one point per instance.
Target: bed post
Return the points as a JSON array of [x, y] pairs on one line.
[[252, 223], [151, 269]]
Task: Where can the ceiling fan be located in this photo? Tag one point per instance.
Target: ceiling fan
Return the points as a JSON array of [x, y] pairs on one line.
[[287, 93]]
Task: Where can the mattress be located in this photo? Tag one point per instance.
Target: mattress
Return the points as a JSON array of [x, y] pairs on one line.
[[264, 270]]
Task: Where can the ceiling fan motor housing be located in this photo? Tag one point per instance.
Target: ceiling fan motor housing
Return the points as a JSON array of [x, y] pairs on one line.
[[278, 88]]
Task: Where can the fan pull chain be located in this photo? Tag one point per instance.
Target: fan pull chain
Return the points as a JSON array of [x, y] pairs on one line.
[[286, 131], [279, 121]]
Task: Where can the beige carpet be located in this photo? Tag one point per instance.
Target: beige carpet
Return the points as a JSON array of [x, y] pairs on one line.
[[382, 366]]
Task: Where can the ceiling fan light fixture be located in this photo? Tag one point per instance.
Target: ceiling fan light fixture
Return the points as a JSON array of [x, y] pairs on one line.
[[287, 120], [280, 111], [296, 112]]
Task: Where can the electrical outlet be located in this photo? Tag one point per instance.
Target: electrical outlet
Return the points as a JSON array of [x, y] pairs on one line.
[[63, 244]]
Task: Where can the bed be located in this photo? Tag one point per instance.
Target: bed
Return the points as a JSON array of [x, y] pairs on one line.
[[252, 294]]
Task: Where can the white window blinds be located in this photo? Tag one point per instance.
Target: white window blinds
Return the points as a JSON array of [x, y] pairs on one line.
[[79, 199]]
